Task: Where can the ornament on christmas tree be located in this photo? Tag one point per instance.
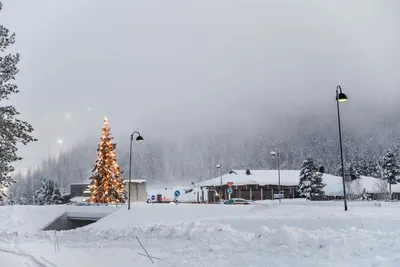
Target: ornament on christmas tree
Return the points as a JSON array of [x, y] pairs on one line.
[[107, 185]]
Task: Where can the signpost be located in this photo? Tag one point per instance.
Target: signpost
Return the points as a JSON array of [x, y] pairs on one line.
[[153, 197], [280, 196], [230, 191], [177, 194]]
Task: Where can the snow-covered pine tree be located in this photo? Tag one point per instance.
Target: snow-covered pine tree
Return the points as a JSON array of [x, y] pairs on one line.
[[24, 199], [391, 170], [48, 194], [316, 184], [373, 169], [354, 170], [10, 200], [306, 174], [12, 129], [56, 197], [310, 184]]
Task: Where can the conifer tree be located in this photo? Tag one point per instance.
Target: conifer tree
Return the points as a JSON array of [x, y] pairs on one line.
[[24, 199], [12, 129], [373, 170], [391, 169], [48, 194], [306, 174], [107, 185], [317, 185], [310, 184], [354, 170]]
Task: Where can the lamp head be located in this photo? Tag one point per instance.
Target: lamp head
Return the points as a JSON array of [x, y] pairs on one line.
[[139, 138], [218, 166], [341, 97], [274, 153]]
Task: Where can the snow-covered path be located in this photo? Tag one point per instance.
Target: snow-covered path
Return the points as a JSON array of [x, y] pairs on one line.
[[9, 257], [10, 260]]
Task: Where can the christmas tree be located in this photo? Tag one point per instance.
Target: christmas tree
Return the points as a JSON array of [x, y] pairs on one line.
[[107, 184]]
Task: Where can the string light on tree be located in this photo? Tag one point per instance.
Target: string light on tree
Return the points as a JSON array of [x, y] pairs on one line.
[[107, 185]]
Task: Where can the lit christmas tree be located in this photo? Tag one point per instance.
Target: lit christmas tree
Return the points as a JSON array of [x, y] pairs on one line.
[[107, 184]]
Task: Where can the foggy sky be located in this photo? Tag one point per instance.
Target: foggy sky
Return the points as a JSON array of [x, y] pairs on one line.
[[181, 68]]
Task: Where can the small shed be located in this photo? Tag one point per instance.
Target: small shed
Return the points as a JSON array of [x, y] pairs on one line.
[[77, 189], [138, 190]]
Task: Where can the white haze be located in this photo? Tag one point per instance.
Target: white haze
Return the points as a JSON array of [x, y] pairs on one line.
[[184, 68]]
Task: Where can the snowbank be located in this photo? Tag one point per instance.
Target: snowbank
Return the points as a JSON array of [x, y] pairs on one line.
[[28, 218], [148, 214], [291, 233]]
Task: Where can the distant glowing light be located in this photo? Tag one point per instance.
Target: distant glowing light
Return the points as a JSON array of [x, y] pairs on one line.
[[60, 141], [68, 116], [88, 109]]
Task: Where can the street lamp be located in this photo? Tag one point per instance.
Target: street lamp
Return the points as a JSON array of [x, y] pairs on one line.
[[276, 154], [341, 97], [139, 139], [220, 174]]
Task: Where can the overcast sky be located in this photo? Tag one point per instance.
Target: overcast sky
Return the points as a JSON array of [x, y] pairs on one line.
[[190, 67]]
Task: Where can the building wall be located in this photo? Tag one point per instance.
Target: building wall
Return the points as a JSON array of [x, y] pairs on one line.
[[254, 192], [138, 192], [77, 189]]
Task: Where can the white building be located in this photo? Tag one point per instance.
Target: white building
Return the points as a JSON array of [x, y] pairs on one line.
[[138, 190]]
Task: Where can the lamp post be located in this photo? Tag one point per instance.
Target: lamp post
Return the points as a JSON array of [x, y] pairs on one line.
[[276, 154], [139, 139], [341, 97], [220, 174]]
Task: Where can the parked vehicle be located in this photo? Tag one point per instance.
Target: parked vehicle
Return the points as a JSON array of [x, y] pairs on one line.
[[237, 201]]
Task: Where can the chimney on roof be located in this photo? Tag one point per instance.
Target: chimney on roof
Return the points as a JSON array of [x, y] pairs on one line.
[[248, 172]]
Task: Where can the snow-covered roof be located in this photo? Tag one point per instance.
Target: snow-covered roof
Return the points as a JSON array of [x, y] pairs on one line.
[[137, 181], [374, 185], [260, 177]]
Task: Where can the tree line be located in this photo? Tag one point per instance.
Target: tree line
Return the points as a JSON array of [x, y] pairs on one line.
[[195, 158]]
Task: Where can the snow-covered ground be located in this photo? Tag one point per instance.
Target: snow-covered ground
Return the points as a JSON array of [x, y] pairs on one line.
[[293, 233]]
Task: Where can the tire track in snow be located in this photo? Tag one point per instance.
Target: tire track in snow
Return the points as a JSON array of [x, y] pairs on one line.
[[29, 257], [48, 262]]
